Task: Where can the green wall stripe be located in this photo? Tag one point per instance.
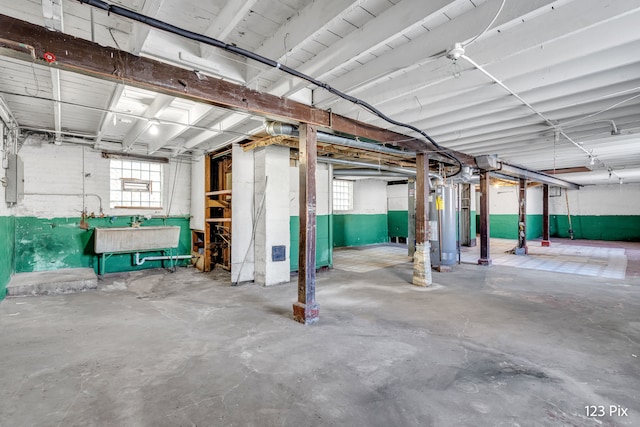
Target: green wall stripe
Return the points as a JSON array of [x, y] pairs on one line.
[[597, 227], [506, 226], [358, 230], [473, 231], [323, 248], [7, 252], [398, 223], [53, 243]]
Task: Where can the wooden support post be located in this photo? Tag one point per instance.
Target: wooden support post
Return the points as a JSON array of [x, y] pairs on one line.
[[306, 310], [545, 216], [522, 249], [411, 235], [208, 187], [421, 257], [485, 185]]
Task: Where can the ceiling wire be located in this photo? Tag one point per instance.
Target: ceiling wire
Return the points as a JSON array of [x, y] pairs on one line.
[[564, 125], [473, 40], [161, 25]]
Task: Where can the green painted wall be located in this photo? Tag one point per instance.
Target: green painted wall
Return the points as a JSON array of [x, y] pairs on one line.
[[358, 230], [53, 243], [7, 252], [323, 248], [473, 232], [398, 223], [597, 227], [506, 226]]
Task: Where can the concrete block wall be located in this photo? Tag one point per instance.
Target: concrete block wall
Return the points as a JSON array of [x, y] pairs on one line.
[[243, 212], [601, 212], [248, 183], [271, 199], [367, 222], [48, 235], [503, 214], [7, 225], [197, 193], [324, 220], [398, 210]]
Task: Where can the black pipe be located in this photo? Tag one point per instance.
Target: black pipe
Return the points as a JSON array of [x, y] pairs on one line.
[[161, 25]]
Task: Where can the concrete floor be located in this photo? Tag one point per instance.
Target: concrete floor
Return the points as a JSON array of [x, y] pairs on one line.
[[486, 346]]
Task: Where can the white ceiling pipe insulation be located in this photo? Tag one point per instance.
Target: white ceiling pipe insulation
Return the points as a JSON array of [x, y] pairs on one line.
[[279, 128]]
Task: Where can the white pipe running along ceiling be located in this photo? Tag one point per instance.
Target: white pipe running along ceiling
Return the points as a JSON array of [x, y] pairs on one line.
[[573, 61]]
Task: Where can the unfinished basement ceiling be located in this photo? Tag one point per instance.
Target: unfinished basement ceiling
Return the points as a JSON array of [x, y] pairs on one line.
[[573, 61]]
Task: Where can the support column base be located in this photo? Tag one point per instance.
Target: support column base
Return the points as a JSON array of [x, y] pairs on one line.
[[521, 251], [484, 261], [545, 243], [422, 265], [306, 314]]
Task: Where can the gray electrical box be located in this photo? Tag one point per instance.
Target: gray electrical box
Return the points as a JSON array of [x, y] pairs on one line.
[[487, 162], [15, 180]]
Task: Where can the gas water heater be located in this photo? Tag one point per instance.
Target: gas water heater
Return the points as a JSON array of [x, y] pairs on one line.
[[443, 222]]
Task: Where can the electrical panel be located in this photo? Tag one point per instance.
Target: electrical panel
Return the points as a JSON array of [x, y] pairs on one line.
[[15, 179]]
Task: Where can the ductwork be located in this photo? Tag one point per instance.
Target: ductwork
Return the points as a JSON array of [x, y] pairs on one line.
[[370, 169], [369, 173], [279, 128], [370, 166]]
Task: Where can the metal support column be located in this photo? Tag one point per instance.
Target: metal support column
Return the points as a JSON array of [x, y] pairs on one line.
[[545, 216], [485, 181], [306, 310]]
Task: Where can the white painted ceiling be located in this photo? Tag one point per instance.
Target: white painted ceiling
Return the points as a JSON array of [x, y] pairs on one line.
[[576, 62]]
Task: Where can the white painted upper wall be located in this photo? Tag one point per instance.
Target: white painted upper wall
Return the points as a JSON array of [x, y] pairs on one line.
[[398, 197], [56, 176], [242, 199], [504, 200], [369, 197], [4, 210], [197, 193], [322, 190], [612, 199]]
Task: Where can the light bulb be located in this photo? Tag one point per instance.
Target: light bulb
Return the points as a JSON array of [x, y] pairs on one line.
[[592, 160], [153, 130]]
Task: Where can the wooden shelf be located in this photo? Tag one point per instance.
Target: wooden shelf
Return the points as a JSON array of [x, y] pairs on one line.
[[218, 204], [217, 193], [218, 219]]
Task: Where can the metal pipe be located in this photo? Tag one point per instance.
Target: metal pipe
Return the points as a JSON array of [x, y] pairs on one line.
[[373, 167], [279, 128], [396, 169], [368, 172], [139, 261], [67, 195]]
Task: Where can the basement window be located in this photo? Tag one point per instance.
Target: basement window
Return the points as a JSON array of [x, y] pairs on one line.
[[135, 184], [342, 195]]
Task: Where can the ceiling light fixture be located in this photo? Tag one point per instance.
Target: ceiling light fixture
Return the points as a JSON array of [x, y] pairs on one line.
[[153, 129], [592, 160]]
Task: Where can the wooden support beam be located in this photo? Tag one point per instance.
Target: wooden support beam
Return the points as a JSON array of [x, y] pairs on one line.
[[545, 216], [422, 254], [17, 38], [422, 198], [306, 310], [522, 249], [485, 186]]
